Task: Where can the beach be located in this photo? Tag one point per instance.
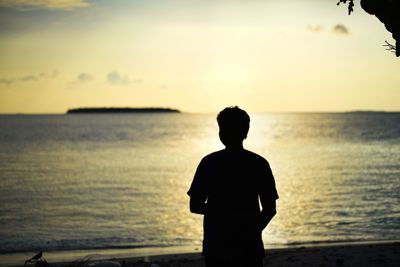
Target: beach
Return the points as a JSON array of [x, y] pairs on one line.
[[358, 254]]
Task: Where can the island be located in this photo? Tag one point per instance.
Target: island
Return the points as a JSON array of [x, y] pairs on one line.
[[121, 110]]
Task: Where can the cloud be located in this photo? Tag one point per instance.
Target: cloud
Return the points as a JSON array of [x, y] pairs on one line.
[[84, 77], [52, 74], [316, 28], [7, 81], [29, 77], [116, 78], [44, 4], [340, 29]]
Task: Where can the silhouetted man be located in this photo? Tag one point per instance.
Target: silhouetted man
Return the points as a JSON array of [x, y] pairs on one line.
[[226, 188]]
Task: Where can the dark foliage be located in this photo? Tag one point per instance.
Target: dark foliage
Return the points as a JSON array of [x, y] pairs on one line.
[[388, 12]]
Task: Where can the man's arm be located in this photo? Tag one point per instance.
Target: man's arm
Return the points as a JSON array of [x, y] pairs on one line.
[[197, 191], [268, 210], [268, 196], [197, 205]]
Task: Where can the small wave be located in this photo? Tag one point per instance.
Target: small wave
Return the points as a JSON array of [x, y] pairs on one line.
[[339, 242]]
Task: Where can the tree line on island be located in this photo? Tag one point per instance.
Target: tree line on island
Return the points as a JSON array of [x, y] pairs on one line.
[[121, 110]]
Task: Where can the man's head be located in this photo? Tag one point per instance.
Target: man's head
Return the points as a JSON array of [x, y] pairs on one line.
[[233, 125]]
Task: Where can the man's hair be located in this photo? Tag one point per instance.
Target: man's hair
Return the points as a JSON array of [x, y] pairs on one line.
[[235, 121]]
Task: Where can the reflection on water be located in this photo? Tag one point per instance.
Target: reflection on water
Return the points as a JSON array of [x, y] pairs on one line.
[[99, 181]]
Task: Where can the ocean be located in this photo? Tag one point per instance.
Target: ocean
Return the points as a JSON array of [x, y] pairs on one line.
[[102, 181]]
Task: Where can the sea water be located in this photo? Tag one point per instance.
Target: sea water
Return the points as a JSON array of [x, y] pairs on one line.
[[73, 182]]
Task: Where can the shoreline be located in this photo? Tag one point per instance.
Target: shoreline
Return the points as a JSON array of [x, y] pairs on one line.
[[320, 254]]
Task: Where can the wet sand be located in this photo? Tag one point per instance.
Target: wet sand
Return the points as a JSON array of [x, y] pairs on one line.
[[382, 254]]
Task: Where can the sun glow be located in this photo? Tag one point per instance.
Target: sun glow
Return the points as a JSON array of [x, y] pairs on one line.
[[229, 73], [198, 57]]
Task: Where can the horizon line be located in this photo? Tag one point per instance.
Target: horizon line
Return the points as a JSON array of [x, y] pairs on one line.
[[211, 112]]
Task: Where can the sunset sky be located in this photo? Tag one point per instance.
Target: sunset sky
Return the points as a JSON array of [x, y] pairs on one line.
[[197, 56]]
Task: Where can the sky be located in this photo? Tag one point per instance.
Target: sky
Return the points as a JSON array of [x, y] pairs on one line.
[[197, 56]]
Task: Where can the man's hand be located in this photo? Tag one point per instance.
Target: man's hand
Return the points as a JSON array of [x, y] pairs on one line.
[[197, 205], [268, 211], [266, 217]]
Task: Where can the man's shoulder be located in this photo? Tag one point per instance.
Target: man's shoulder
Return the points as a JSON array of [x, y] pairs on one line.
[[213, 156], [256, 157]]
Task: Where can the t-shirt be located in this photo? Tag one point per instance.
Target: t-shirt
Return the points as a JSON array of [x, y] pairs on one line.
[[231, 181]]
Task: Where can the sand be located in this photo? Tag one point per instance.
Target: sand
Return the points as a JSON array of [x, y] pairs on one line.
[[364, 255]]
